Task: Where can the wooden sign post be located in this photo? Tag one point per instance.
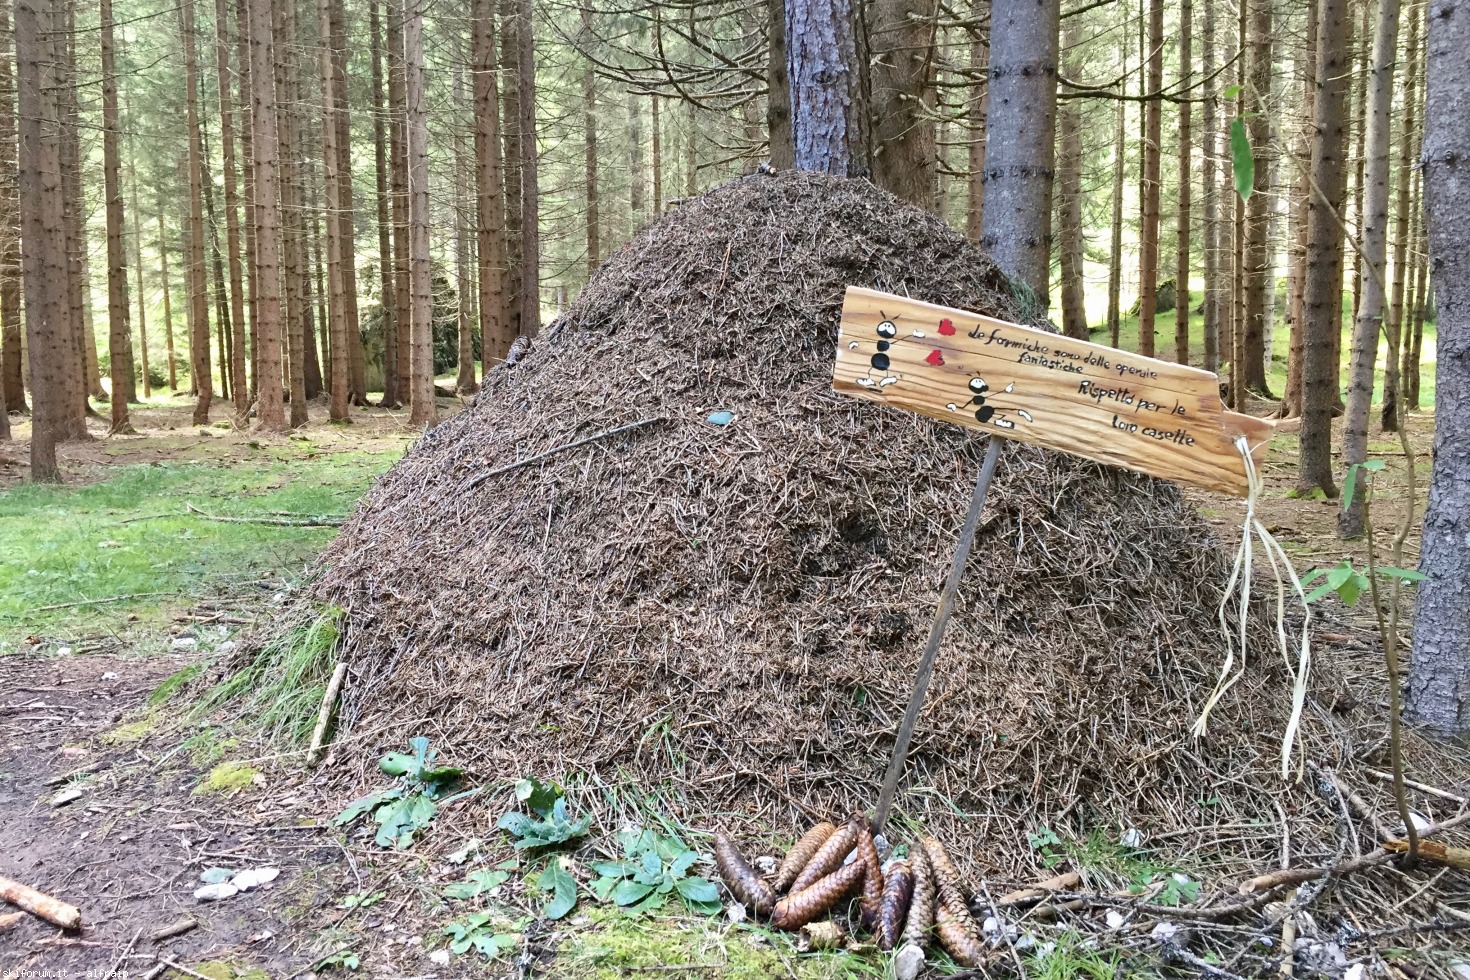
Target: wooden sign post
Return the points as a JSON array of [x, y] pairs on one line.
[[1029, 385]]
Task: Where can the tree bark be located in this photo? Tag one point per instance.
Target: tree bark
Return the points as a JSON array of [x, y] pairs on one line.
[[511, 155], [979, 60], [589, 136], [1391, 394], [421, 327], [119, 336], [168, 309], [637, 178], [1020, 142], [79, 293], [1069, 208], [1260, 279], [778, 89], [1148, 234], [1322, 295], [464, 231], [530, 277], [346, 224], [1414, 340], [829, 121], [398, 148], [55, 362], [902, 35], [247, 184], [12, 354], [339, 382], [1438, 696], [198, 290], [1373, 229], [240, 388], [1291, 402], [267, 207], [293, 269], [1210, 245], [1186, 176], [138, 271], [388, 301], [495, 330], [1119, 165]]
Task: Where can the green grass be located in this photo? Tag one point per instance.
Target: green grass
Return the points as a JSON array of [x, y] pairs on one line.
[[132, 534], [1276, 373]]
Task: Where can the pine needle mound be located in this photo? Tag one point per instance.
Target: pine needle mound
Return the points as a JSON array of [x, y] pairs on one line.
[[731, 616]]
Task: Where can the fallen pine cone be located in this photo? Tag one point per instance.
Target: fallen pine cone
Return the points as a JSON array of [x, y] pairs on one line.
[[809, 904], [898, 893], [741, 878], [827, 859], [946, 878], [867, 852], [921, 909], [960, 936], [801, 854]]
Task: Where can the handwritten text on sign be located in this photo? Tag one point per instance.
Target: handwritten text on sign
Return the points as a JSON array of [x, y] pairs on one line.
[[1098, 402]]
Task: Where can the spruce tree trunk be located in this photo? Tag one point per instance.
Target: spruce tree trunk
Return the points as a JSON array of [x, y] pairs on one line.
[[57, 382], [339, 382], [1291, 402], [511, 155], [1260, 279], [138, 271], [901, 101], [198, 290], [168, 309], [293, 266], [495, 331], [1210, 244], [346, 225], [1183, 221], [79, 294], [247, 185], [637, 178], [778, 89], [464, 231], [589, 136], [1020, 138], [1373, 243], [267, 210], [1358, 115], [12, 354], [1414, 340], [1391, 394], [829, 121], [398, 148], [1119, 165], [1148, 233], [240, 388], [1069, 208], [421, 326], [388, 302], [1438, 695], [530, 273], [119, 336], [979, 61], [655, 158], [1322, 295]]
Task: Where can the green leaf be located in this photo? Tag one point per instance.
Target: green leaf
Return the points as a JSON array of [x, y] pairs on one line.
[[630, 892], [1243, 161], [1350, 591], [602, 887], [366, 804], [475, 884], [563, 888], [1407, 574], [652, 864], [1321, 591], [396, 764], [699, 890], [682, 863], [611, 869], [1373, 465], [538, 797], [401, 819], [1339, 576], [1231, 92], [1349, 486]]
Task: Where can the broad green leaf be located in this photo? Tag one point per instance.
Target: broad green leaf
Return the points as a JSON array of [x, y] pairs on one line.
[[1340, 575], [366, 804], [475, 884], [603, 887], [1373, 465], [652, 864], [612, 869], [538, 797], [1349, 487], [1243, 161], [1407, 574], [1320, 592], [700, 890], [1352, 589], [563, 890], [630, 892], [1231, 92], [682, 863], [396, 764]]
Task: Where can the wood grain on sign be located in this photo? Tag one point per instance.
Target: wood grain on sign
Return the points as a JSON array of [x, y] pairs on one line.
[[1029, 385]]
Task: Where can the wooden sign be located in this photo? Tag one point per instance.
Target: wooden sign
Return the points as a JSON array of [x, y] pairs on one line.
[[1104, 404]]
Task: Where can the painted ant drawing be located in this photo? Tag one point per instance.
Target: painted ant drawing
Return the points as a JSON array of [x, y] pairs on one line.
[[887, 332], [979, 392]]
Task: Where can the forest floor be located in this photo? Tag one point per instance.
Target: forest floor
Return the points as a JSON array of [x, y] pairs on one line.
[[125, 582]]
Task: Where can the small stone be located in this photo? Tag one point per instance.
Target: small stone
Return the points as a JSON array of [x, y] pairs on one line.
[[216, 875], [1115, 919], [111, 675], [216, 893], [184, 643], [63, 651], [66, 796], [439, 957], [907, 962], [735, 912], [254, 878]]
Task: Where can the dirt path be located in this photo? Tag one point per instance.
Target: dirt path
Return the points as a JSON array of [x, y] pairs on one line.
[[130, 847]]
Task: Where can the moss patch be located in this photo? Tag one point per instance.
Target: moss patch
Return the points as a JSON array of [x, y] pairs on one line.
[[132, 731], [222, 970], [227, 779]]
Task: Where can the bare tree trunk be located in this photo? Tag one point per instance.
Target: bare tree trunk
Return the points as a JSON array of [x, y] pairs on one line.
[[1438, 696], [346, 225], [1210, 246], [512, 156], [1069, 206], [119, 336], [1148, 234], [73, 192], [495, 330], [464, 231], [1373, 227], [1322, 298], [1414, 340], [338, 378], [637, 178], [656, 159], [138, 268], [829, 124], [1389, 417], [1020, 142], [168, 310], [1115, 252], [221, 293], [979, 66], [778, 89], [691, 150], [198, 295], [1358, 115], [398, 148], [530, 300], [12, 384], [239, 387], [1291, 402], [55, 363], [267, 210], [247, 184], [388, 299], [589, 135], [421, 327], [294, 270], [1260, 280], [902, 35], [1186, 176]]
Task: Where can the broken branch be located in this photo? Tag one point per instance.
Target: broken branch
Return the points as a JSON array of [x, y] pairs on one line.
[[41, 905]]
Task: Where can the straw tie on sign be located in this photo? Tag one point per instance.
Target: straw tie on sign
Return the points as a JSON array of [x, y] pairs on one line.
[[1234, 616]]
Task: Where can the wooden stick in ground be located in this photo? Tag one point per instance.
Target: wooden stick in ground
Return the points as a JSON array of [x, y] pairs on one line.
[[334, 686], [1061, 883], [41, 905]]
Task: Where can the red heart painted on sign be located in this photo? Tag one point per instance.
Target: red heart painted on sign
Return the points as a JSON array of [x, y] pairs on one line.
[[935, 358], [946, 327]]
